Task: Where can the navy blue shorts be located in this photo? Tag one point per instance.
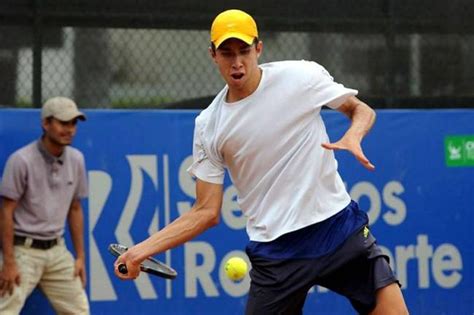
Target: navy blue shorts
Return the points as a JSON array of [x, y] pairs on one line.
[[356, 269]]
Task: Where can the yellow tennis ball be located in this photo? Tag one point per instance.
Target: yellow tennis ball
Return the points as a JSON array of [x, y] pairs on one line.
[[235, 268]]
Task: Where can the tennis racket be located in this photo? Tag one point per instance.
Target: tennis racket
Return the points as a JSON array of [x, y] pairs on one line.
[[149, 265]]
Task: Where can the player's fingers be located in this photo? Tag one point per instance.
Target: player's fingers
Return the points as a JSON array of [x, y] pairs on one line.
[[8, 287], [360, 156], [11, 288], [127, 271], [119, 272], [83, 278], [2, 287], [3, 284], [81, 273], [331, 146], [365, 162], [368, 165]]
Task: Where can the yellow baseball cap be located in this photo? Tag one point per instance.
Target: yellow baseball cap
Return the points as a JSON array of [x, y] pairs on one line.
[[233, 24]]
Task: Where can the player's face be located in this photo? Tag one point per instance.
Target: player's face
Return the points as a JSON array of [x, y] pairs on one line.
[[59, 133], [238, 64]]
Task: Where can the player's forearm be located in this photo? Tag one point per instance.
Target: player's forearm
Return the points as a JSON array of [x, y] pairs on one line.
[[362, 119], [183, 229], [76, 227]]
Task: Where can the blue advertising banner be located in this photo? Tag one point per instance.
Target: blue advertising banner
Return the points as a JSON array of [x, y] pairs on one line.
[[419, 199]]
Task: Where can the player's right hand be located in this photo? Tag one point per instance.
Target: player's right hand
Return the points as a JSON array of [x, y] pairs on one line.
[[9, 277], [133, 269]]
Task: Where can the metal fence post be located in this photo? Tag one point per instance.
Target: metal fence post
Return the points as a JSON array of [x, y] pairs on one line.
[[37, 54]]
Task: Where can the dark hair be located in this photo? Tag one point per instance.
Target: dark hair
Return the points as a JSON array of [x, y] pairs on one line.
[[255, 42], [48, 119]]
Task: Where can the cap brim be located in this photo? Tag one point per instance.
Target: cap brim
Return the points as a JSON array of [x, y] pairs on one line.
[[70, 116], [243, 37]]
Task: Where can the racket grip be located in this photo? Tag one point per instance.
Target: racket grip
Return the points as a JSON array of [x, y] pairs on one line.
[[122, 268]]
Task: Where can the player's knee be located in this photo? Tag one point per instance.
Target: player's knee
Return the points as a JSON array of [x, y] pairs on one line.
[[400, 310], [392, 310], [390, 301]]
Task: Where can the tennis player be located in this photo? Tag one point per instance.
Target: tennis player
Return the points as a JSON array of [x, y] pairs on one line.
[[265, 128]]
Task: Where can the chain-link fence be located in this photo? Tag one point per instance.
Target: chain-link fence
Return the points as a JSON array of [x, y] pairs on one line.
[[165, 68]]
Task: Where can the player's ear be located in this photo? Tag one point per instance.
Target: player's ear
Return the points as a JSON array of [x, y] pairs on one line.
[[45, 122], [212, 53], [259, 48]]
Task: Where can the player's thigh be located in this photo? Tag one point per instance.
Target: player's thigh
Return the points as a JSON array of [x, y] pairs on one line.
[[361, 278], [64, 290], [268, 301], [30, 265], [278, 286]]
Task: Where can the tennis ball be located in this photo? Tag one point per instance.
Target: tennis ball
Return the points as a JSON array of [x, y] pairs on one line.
[[235, 268]]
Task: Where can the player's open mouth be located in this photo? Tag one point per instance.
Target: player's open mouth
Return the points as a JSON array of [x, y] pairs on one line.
[[237, 76]]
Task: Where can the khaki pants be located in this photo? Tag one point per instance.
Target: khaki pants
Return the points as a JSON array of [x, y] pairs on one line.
[[53, 271]]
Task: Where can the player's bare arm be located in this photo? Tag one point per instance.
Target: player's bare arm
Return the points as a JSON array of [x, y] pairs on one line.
[[204, 214], [76, 226], [9, 275], [362, 119]]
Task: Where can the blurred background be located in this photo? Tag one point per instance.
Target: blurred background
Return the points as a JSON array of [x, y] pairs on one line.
[[153, 54], [136, 55]]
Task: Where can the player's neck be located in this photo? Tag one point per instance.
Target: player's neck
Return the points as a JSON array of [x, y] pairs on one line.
[[236, 94]]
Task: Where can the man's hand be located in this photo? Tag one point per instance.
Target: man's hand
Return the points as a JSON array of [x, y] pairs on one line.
[[80, 270], [9, 277], [352, 145]]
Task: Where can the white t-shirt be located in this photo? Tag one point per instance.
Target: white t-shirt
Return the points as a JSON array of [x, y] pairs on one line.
[[270, 142]]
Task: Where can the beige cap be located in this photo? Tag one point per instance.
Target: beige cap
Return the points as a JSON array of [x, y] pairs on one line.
[[61, 108]]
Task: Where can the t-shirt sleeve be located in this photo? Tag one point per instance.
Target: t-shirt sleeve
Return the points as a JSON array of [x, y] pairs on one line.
[[82, 190], [205, 166], [13, 182], [324, 91]]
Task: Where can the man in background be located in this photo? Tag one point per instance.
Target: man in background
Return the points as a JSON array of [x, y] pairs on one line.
[[42, 187]]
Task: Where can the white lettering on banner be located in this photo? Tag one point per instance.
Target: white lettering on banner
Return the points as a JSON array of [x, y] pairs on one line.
[[100, 283], [187, 185], [167, 210], [446, 263], [100, 188], [199, 273], [368, 190], [423, 252], [138, 165], [391, 191]]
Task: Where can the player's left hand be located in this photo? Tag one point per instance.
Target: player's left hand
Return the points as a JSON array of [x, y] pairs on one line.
[[353, 146]]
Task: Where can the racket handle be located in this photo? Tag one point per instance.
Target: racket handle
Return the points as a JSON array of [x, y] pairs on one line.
[[122, 268]]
